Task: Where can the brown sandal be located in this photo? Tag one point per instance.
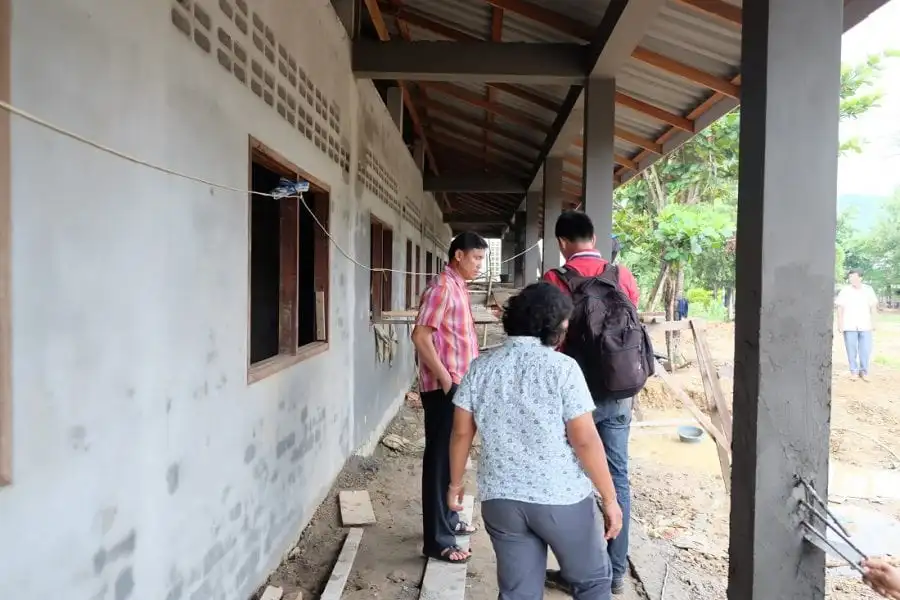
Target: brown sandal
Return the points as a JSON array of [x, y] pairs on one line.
[[445, 555]]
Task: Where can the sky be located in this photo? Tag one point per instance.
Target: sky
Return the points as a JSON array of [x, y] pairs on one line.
[[876, 171]]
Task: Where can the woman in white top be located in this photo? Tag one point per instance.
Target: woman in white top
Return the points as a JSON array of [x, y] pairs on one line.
[[856, 307]]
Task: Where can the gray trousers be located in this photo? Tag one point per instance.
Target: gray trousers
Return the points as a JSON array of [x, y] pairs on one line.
[[521, 532]]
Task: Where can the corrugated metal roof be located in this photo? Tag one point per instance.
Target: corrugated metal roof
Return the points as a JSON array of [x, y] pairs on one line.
[[692, 37]]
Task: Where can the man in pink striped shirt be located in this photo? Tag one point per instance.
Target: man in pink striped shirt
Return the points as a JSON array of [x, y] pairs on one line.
[[446, 344]]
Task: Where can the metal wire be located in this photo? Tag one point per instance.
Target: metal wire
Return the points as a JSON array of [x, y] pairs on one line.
[[831, 523]]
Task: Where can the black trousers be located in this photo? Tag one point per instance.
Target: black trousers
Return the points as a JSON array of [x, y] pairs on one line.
[[438, 521]]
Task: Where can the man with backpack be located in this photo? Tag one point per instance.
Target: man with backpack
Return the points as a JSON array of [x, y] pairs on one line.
[[606, 338]]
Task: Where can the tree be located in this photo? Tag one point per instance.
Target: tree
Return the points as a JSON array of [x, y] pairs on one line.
[[703, 171]]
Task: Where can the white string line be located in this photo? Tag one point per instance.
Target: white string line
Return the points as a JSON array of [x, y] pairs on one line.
[[133, 159]]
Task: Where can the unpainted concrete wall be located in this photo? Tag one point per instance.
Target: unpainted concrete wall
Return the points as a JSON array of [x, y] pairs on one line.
[[145, 466]]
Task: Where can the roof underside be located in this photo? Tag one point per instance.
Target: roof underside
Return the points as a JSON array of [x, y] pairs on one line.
[[683, 74]]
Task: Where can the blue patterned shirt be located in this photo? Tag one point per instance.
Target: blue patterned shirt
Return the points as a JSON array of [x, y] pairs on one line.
[[521, 396]]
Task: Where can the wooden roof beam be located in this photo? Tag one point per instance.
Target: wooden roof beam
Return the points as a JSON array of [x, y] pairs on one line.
[[654, 112], [467, 134], [580, 30], [433, 106], [510, 114], [384, 35], [727, 12], [631, 138]]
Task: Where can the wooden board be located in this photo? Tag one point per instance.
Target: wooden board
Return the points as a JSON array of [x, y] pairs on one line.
[[702, 419], [272, 593], [443, 580], [356, 508], [344, 565], [648, 560], [719, 414], [481, 317]]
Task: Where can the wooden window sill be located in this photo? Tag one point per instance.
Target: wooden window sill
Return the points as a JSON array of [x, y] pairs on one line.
[[280, 362]]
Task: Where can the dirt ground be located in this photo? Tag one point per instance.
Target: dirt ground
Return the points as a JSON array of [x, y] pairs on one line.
[[678, 494], [678, 489]]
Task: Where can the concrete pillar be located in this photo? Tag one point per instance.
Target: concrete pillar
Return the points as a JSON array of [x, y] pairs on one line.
[[395, 106], [599, 130], [419, 154], [519, 262], [532, 235], [785, 292], [553, 201]]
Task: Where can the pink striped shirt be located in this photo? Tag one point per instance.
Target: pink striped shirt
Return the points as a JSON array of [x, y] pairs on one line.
[[445, 307]]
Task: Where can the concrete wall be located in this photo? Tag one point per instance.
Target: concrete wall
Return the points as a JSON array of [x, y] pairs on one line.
[[145, 467]]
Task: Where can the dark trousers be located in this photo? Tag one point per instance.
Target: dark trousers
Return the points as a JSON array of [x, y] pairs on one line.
[[613, 420], [520, 534], [438, 521]]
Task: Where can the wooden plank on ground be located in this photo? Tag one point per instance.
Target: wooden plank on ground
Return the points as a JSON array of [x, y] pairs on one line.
[[702, 419], [648, 560], [272, 593], [443, 580], [344, 565], [356, 508]]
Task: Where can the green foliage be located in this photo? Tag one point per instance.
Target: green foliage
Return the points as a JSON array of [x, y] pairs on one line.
[[698, 296], [687, 231], [683, 209]]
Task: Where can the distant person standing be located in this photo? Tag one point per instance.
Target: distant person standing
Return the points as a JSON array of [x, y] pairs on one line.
[[446, 344], [856, 308]]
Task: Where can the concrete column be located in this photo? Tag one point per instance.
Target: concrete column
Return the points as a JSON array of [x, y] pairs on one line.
[[532, 235], [553, 201], [599, 130], [395, 106], [519, 263], [419, 154], [785, 292]]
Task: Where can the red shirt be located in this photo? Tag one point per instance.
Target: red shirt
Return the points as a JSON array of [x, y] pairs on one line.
[[590, 264], [445, 308]]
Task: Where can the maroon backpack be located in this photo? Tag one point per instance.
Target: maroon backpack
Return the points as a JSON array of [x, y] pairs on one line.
[[606, 336]]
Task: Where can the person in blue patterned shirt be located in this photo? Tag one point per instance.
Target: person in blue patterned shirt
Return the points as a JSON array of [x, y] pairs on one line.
[[541, 456]]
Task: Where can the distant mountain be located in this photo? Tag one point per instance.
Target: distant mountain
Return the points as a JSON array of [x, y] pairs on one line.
[[865, 207]]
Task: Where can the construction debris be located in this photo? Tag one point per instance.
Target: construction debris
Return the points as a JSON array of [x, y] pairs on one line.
[[356, 508], [341, 572], [272, 593]]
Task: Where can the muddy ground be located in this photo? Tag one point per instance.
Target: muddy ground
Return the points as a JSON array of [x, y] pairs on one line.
[[678, 493]]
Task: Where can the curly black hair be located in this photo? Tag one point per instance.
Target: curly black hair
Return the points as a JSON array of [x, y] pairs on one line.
[[538, 311]]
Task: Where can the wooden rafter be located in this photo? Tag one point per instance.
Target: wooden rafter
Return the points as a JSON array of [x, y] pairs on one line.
[[496, 36], [583, 31], [717, 8], [618, 158], [433, 106], [654, 112], [632, 138], [528, 96], [434, 25], [693, 115], [488, 144], [723, 86], [463, 137], [477, 152], [507, 112], [384, 35]]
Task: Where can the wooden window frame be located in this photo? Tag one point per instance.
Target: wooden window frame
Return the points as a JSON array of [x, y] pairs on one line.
[[381, 283], [409, 276], [318, 198], [6, 446], [418, 271], [429, 266]]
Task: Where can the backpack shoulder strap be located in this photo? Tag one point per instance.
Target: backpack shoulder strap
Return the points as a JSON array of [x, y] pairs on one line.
[[568, 276], [610, 274]]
